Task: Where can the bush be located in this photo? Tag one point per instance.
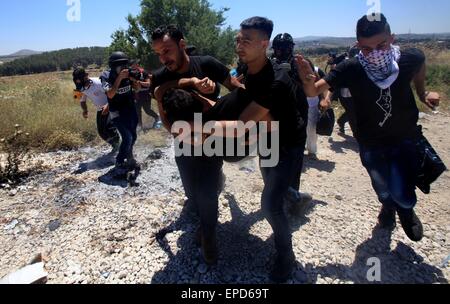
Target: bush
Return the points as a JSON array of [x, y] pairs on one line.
[[63, 140], [16, 151]]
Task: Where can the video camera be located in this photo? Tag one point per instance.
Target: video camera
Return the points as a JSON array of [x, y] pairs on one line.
[[133, 73]]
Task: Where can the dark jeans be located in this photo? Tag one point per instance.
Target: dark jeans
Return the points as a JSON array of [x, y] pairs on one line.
[[126, 124], [349, 114], [106, 129], [202, 180], [277, 181], [298, 176], [393, 170], [143, 101]]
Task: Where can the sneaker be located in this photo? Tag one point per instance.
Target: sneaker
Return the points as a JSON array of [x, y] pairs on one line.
[[120, 170], [386, 218], [297, 197], [283, 267], [411, 225], [132, 164]]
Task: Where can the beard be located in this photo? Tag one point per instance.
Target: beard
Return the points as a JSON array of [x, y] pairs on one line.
[[177, 64]]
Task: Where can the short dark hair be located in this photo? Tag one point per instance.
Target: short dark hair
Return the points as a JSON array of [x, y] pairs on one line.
[[258, 23], [180, 105], [170, 30], [368, 27], [79, 73]]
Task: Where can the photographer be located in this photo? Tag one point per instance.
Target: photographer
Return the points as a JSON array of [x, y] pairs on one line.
[[118, 87], [142, 94], [91, 88], [283, 54]]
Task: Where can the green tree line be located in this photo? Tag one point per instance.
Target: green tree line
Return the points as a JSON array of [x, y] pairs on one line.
[[61, 60]]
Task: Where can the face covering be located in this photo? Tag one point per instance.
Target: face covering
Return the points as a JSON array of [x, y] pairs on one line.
[[381, 66]]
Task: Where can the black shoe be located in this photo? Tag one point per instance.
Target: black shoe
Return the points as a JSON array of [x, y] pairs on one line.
[[283, 267], [411, 225], [209, 249], [386, 218]]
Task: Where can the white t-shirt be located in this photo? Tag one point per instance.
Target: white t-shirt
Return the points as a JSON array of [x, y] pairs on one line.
[[96, 94], [313, 101]]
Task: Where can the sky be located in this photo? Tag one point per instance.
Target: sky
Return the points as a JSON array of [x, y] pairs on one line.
[[43, 25]]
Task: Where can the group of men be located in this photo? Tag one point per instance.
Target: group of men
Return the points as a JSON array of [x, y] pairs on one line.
[[386, 116]]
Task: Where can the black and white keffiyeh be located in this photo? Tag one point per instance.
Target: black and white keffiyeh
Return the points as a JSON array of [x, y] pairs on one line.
[[381, 66]]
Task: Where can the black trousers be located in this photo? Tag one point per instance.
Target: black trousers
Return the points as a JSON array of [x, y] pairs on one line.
[[106, 129]]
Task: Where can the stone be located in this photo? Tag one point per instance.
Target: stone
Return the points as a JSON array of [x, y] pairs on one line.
[[54, 225]]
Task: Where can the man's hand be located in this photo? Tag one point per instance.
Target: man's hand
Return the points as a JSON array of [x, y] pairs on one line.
[[123, 75], [237, 81], [105, 110], [205, 86], [325, 104], [432, 100], [85, 114], [305, 70]]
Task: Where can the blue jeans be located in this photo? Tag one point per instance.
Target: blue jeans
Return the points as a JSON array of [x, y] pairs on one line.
[[277, 181], [126, 124], [393, 170], [202, 180]]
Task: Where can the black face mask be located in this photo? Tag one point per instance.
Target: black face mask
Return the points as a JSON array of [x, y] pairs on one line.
[[80, 86]]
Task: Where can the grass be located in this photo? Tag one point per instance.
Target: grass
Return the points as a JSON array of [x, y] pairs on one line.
[[43, 105]]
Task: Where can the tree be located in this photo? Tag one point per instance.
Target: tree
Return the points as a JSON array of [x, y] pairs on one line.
[[202, 26]]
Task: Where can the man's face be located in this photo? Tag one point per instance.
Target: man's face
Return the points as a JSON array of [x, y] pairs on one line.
[[378, 42], [83, 84], [171, 54], [251, 45]]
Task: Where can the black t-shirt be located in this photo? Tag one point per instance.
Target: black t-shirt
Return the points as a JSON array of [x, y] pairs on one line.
[[383, 116], [124, 99], [200, 67], [273, 89], [229, 108]]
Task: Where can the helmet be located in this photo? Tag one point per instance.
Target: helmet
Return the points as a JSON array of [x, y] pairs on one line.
[[283, 41], [118, 59]]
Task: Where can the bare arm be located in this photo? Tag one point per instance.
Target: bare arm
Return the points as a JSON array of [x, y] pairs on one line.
[[431, 99], [308, 77], [84, 107]]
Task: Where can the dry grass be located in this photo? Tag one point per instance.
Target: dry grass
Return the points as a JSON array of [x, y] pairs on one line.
[[44, 107]]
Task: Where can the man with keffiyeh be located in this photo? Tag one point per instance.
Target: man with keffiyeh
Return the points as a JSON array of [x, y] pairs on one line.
[[379, 79]]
